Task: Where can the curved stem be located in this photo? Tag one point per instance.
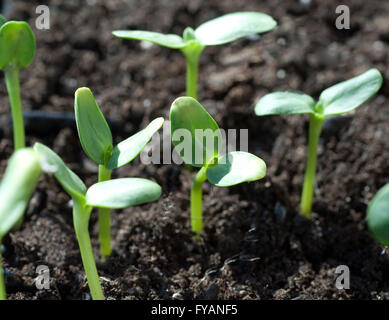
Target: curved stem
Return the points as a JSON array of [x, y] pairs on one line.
[[3, 295], [196, 202], [13, 87], [315, 126], [104, 218], [81, 214]]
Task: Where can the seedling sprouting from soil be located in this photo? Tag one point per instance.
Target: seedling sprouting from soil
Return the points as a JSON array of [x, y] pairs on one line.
[[378, 215], [17, 186], [201, 148], [218, 31], [115, 193], [17, 50], [338, 99], [96, 140]]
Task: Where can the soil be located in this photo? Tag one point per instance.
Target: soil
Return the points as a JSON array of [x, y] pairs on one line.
[[255, 245]]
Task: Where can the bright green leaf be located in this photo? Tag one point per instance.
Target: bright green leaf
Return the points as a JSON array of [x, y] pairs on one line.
[[236, 167], [122, 193], [378, 215], [194, 133], [284, 102], [93, 130], [348, 95], [17, 186], [172, 41], [52, 163], [233, 26], [128, 149], [17, 44]]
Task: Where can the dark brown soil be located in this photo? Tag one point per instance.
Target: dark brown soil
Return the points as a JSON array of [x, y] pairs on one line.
[[255, 244]]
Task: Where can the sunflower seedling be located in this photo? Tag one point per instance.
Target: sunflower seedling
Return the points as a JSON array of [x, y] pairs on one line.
[[16, 188], [96, 140], [217, 31], [115, 194], [378, 215], [338, 99], [200, 147], [17, 50]]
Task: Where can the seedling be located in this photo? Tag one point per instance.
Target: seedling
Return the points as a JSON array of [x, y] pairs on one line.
[[378, 215], [338, 99], [96, 140], [214, 32], [17, 186], [17, 50], [201, 148], [115, 193]]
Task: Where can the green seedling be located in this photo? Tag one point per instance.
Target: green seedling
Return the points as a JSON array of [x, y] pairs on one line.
[[201, 148], [17, 50], [115, 193], [378, 215], [16, 188], [338, 99], [214, 32], [96, 140]]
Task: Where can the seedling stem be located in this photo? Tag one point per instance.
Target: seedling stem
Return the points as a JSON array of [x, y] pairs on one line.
[[192, 55], [315, 126], [196, 202], [104, 216], [13, 87], [81, 214]]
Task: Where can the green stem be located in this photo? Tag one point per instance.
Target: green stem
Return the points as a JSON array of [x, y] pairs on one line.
[[192, 55], [196, 202], [104, 219], [315, 126], [81, 215], [3, 295], [13, 87]]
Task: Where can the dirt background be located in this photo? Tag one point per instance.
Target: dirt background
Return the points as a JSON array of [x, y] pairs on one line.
[[255, 245]]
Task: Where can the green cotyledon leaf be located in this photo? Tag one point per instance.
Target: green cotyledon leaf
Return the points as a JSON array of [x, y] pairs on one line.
[[122, 193], [93, 130], [17, 186], [284, 102], [378, 215], [350, 94], [17, 44], [172, 41], [52, 163], [194, 133], [224, 29], [128, 149], [236, 167], [233, 26]]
